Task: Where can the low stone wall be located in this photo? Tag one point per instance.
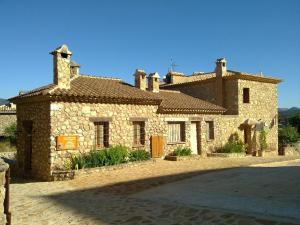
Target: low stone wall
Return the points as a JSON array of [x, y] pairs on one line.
[[183, 158], [69, 175], [291, 151], [8, 155], [6, 120], [3, 168], [227, 155]]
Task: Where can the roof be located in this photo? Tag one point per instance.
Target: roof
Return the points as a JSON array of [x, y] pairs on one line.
[[175, 101], [231, 74], [111, 90]]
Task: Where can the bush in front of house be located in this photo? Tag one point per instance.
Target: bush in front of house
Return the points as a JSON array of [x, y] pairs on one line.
[[234, 145], [116, 155], [182, 151], [97, 158], [139, 155]]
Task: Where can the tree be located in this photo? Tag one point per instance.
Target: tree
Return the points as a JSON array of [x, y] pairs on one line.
[[295, 121], [288, 135], [11, 132]]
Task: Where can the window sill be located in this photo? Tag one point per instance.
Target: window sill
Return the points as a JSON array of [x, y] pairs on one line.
[[175, 143], [210, 140]]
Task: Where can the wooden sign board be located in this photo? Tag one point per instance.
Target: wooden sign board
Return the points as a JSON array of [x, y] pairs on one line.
[[67, 142]]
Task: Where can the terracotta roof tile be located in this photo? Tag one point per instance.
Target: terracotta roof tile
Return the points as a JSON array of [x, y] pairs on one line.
[[115, 90], [180, 102]]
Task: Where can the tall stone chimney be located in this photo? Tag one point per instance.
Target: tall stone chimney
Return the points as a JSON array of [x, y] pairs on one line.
[[221, 70], [140, 79], [153, 82], [61, 66]]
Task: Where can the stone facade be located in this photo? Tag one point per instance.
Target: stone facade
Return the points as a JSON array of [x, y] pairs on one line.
[[39, 114], [42, 119]]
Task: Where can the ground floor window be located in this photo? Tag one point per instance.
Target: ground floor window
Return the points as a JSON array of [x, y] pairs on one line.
[[176, 132], [210, 133], [102, 134], [138, 133]]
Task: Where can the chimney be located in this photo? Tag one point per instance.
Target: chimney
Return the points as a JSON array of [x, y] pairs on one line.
[[61, 64], [153, 82], [221, 70], [74, 67], [140, 79]]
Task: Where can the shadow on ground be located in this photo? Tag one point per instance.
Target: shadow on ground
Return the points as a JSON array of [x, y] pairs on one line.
[[248, 195]]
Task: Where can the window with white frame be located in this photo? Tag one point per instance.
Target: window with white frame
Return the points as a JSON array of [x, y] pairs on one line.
[[176, 132]]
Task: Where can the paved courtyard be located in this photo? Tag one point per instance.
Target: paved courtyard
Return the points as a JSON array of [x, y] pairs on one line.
[[207, 191]]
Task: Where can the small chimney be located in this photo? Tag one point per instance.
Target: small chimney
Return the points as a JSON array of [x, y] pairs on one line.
[[221, 70], [140, 79], [153, 82], [74, 67], [61, 66]]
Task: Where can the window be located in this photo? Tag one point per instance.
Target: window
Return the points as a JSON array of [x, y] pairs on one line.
[[138, 133], [246, 95], [210, 130], [102, 134], [176, 132]]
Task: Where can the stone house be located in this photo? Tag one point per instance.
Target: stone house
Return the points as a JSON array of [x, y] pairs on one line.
[[77, 113]]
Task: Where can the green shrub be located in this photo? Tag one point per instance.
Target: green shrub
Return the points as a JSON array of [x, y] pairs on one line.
[[182, 151], [234, 145], [263, 140], [97, 158], [139, 155], [288, 135], [11, 132], [116, 155]]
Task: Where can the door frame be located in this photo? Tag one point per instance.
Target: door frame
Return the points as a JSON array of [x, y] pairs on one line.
[[28, 128], [198, 135], [248, 139]]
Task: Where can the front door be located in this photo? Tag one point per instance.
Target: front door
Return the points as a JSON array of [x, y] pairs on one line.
[[194, 139], [28, 146], [247, 139]]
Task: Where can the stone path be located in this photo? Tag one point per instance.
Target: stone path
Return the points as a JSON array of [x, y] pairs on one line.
[[110, 197]]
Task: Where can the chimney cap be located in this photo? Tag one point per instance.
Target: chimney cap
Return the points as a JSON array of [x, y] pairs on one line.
[[139, 71], [221, 60], [154, 75], [62, 49], [74, 64]]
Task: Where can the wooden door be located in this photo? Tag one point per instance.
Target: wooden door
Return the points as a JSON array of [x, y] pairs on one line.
[[194, 139], [157, 146], [28, 146], [247, 139]]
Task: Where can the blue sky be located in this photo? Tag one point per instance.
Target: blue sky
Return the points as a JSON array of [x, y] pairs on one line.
[[113, 38]]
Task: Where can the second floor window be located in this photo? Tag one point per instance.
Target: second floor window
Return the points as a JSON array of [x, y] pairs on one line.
[[138, 133], [246, 95], [102, 134]]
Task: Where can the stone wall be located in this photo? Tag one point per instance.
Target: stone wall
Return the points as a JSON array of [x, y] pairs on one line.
[[75, 119], [39, 114], [3, 168], [6, 120], [262, 107]]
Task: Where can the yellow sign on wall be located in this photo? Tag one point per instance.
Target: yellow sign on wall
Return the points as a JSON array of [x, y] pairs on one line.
[[67, 142]]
